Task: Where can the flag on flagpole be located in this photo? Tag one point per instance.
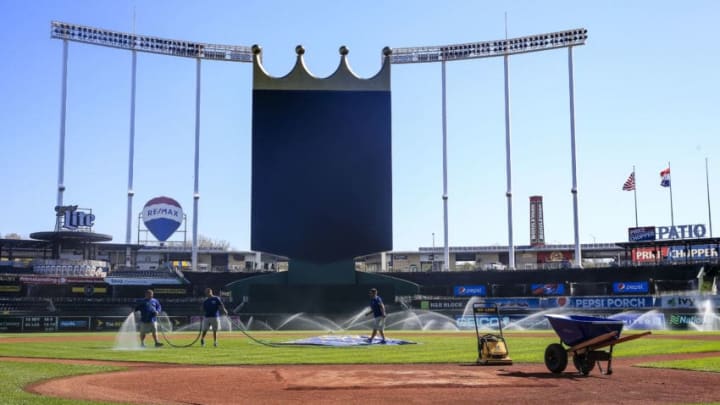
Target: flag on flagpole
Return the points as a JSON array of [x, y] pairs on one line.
[[665, 177], [629, 183]]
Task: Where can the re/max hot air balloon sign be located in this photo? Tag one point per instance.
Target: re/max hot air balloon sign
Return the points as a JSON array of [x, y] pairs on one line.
[[162, 217]]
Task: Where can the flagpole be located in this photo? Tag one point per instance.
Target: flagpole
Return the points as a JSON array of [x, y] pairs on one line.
[[707, 181], [635, 195], [672, 218]]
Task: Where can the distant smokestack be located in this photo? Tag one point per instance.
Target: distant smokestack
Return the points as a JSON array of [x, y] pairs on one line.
[[537, 223]]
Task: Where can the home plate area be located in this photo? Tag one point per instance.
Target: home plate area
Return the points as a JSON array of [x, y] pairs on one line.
[[345, 340]]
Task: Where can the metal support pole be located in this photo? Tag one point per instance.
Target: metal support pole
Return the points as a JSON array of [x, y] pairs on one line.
[[63, 111], [672, 215], [578, 253], [131, 160], [707, 182], [446, 256], [635, 196], [196, 193], [508, 170]]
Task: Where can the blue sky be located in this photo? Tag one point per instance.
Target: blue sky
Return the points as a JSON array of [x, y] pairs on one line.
[[646, 93]]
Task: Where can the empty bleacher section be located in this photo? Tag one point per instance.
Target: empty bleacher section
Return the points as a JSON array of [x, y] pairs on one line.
[[70, 268], [130, 276], [25, 306], [67, 306]]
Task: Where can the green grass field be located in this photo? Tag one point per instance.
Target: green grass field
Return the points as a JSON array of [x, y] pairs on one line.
[[237, 349]]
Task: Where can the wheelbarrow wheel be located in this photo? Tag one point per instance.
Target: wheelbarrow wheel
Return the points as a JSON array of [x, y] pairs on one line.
[[556, 358], [583, 364]]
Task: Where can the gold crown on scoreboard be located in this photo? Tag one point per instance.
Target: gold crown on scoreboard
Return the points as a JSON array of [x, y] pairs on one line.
[[300, 78]]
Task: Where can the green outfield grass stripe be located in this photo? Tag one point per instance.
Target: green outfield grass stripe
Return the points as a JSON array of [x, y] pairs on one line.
[[431, 347]]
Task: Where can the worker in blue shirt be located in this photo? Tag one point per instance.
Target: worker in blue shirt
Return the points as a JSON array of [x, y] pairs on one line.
[[211, 306], [377, 308], [149, 308]]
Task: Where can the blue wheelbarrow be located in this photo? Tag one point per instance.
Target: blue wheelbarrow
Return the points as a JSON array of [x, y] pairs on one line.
[[580, 338]]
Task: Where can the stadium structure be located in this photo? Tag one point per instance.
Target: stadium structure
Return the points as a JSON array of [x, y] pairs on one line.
[[74, 281], [73, 278]]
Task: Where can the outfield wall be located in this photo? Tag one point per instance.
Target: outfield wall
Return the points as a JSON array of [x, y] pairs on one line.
[[697, 312]]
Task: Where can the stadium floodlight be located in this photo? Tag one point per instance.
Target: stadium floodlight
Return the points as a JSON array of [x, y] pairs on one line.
[[235, 53], [144, 43], [489, 49]]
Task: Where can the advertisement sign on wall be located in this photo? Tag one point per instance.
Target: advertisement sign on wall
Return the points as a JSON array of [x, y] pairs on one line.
[[694, 252], [647, 233], [548, 289], [469, 290], [642, 233], [89, 290], [689, 301], [630, 287], [683, 321], [649, 254], [141, 281], [611, 302], [555, 256], [101, 323], [513, 303], [74, 323], [442, 304], [681, 231], [558, 302], [483, 321], [652, 320]]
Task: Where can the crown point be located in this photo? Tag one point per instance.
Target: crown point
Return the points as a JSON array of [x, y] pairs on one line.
[[299, 50], [344, 50], [256, 49], [387, 51]]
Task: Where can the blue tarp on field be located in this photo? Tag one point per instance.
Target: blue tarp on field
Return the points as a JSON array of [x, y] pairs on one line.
[[345, 340]]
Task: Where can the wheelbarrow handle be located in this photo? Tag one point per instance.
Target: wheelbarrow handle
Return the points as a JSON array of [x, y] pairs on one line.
[[606, 337]]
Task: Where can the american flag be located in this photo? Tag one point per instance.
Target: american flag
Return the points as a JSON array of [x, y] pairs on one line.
[[629, 183]]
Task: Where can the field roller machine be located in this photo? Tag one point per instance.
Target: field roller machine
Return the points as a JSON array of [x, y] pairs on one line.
[[581, 337], [492, 349]]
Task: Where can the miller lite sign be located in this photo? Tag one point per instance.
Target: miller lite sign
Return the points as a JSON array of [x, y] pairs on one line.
[[73, 218], [321, 162]]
